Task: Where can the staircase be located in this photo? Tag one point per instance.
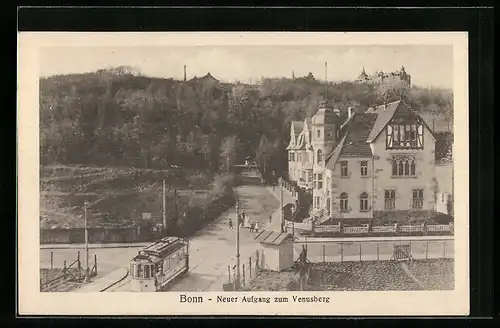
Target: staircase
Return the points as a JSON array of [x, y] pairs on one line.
[[320, 216]]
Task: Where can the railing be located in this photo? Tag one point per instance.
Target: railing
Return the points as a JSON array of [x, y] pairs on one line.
[[248, 272], [384, 229], [289, 225], [73, 272], [327, 228], [339, 251], [411, 228], [356, 230], [418, 229], [440, 228]]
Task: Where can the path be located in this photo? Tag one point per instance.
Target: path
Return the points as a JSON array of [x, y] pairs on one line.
[[213, 248]]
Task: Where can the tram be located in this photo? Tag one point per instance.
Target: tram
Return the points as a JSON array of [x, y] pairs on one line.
[[157, 265]]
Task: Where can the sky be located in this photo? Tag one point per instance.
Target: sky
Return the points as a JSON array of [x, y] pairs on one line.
[[429, 65]]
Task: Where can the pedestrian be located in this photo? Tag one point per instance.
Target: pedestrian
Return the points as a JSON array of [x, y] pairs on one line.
[[251, 226], [230, 224], [256, 227], [270, 218]]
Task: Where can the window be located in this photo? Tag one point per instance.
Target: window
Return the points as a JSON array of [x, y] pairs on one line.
[[344, 202], [363, 202], [139, 271], [364, 168], [315, 181], [405, 136], [403, 166], [310, 177], [320, 156], [320, 181], [442, 197], [418, 198], [390, 199], [147, 271], [317, 202], [319, 133], [343, 169]]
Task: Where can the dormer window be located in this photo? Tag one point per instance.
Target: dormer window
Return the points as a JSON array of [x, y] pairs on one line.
[[403, 135]]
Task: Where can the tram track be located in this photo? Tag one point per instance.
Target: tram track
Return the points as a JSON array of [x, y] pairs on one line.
[[117, 284]]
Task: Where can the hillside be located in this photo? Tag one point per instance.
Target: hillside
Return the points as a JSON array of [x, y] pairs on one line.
[[110, 137], [105, 118], [117, 197]]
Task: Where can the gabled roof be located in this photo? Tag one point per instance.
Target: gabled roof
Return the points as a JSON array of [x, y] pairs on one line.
[[273, 237], [384, 115], [359, 128], [332, 158]]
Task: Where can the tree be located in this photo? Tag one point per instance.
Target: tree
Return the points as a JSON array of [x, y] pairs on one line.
[[393, 90], [229, 152]]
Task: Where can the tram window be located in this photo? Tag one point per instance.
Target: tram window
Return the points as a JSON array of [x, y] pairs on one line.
[[146, 271], [139, 271]]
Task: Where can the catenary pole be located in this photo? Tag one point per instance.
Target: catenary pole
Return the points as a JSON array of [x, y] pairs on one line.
[[86, 243], [238, 243]]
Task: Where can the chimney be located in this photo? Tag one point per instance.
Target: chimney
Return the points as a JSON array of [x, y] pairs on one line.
[[184, 73], [350, 112]]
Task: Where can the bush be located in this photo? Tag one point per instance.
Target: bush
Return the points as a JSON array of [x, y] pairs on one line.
[[223, 185]]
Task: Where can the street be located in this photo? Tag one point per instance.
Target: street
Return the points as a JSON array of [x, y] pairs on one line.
[[213, 248]]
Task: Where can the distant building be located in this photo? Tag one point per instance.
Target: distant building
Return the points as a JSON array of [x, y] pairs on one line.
[[381, 76], [207, 78], [379, 160]]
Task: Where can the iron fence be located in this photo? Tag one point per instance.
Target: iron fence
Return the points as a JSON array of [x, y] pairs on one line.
[[335, 251]]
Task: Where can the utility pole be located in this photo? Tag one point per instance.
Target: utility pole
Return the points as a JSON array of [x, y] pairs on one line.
[[282, 221], [237, 281], [86, 243], [164, 209], [176, 213], [326, 81]]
